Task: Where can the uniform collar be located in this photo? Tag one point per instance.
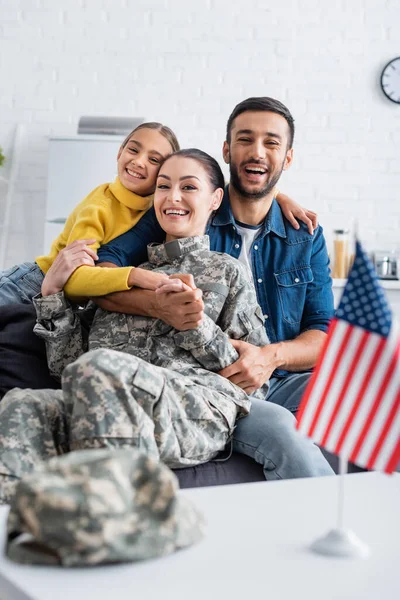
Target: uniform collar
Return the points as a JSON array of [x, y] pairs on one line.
[[160, 254], [128, 198], [273, 221]]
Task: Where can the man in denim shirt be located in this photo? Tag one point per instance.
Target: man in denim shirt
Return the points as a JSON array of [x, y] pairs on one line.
[[290, 271]]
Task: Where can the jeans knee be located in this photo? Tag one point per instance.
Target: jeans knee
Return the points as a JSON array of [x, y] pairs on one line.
[[281, 422], [280, 435]]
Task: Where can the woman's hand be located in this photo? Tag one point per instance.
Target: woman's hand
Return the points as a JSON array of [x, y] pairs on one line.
[[67, 261], [292, 211]]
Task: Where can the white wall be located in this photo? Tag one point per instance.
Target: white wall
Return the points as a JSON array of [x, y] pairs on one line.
[[187, 64]]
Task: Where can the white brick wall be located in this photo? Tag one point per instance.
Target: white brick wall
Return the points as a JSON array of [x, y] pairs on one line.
[[187, 63]]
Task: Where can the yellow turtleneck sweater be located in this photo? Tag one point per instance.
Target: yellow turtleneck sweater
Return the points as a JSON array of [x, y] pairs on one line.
[[107, 212]]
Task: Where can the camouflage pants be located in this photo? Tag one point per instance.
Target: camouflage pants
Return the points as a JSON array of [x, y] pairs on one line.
[[33, 427], [111, 399]]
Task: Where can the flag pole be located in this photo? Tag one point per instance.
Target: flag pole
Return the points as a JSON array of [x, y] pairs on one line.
[[341, 542], [343, 465]]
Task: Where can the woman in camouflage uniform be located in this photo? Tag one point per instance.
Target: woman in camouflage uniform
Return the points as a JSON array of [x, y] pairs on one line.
[[143, 383]]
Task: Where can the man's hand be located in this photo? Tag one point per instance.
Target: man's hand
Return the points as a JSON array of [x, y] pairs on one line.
[[67, 260], [254, 366]]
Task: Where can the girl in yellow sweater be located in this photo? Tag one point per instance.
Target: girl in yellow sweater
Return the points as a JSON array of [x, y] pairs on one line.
[[107, 212]]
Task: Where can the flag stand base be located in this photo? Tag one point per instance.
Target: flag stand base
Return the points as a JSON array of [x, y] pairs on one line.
[[341, 543]]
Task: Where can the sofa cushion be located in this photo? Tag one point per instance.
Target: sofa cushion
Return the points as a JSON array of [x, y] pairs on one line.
[[22, 354], [236, 469]]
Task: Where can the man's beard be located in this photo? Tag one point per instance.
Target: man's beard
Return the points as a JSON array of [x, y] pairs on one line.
[[237, 184]]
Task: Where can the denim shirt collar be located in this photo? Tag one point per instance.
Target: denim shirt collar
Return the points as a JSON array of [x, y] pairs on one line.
[[273, 221]]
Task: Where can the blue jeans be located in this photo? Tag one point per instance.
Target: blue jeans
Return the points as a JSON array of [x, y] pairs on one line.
[[268, 433], [20, 283]]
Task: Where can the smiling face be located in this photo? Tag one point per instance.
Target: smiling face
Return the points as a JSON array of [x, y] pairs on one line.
[[184, 198], [140, 160], [258, 152]]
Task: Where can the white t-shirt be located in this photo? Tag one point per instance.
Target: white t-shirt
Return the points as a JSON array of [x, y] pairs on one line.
[[248, 234]]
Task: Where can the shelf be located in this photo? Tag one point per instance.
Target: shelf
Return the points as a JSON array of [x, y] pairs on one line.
[[387, 284], [88, 137]]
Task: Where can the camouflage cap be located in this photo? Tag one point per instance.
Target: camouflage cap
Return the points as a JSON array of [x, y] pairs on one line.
[[99, 506]]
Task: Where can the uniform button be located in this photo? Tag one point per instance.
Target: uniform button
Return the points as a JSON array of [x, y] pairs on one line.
[[236, 245], [255, 247], [265, 316], [259, 280], [296, 280]]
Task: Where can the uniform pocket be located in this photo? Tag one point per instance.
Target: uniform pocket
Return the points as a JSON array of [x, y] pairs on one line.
[[148, 379], [251, 320], [292, 288]]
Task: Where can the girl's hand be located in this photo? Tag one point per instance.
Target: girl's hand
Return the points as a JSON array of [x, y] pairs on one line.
[[67, 261], [180, 282], [292, 211], [147, 280]]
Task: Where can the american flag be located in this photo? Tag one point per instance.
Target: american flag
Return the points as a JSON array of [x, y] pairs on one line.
[[351, 406]]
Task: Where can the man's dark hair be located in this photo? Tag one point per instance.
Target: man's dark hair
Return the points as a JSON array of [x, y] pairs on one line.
[[258, 104]]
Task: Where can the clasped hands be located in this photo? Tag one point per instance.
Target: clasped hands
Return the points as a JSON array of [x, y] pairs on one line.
[[179, 302], [185, 311]]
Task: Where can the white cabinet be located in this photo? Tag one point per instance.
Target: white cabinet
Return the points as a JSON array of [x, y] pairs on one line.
[[76, 165]]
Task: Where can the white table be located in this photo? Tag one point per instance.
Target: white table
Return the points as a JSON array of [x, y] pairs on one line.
[[256, 547]]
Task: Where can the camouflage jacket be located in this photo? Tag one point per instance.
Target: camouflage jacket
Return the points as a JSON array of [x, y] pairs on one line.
[[231, 311]]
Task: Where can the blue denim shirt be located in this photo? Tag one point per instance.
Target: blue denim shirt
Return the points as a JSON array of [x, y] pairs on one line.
[[290, 267]]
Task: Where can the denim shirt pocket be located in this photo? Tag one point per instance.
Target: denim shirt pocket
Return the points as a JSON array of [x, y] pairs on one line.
[[292, 288]]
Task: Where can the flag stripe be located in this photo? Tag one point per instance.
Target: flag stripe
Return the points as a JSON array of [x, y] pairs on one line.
[[361, 395], [314, 376], [394, 460], [347, 380], [358, 383], [367, 402], [385, 432], [373, 410], [390, 443], [331, 376], [353, 337], [379, 421]]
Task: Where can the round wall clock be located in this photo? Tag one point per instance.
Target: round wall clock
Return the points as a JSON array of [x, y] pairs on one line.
[[390, 80]]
